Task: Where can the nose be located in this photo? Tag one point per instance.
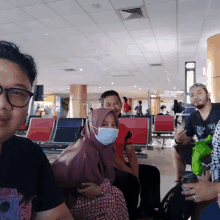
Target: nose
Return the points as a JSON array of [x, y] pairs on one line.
[[4, 104]]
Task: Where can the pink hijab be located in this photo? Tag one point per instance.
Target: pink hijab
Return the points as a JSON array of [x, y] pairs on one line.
[[87, 160]]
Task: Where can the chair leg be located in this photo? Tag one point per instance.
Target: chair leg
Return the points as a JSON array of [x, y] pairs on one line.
[[162, 143]]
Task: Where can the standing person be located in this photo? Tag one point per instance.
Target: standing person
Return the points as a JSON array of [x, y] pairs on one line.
[[90, 110], [126, 106], [129, 175], [25, 169], [200, 123], [139, 108], [90, 162], [177, 109]]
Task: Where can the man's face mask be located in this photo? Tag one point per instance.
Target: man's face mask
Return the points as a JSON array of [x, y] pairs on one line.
[[106, 136]]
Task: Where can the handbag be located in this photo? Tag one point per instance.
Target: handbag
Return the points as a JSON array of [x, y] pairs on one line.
[[174, 206]]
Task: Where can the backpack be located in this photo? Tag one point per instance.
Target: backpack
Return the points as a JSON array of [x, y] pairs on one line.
[[174, 206], [129, 108]]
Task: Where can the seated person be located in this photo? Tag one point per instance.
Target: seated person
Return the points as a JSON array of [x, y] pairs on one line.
[[209, 191], [47, 112], [129, 175], [89, 163], [25, 169], [200, 123], [163, 110]]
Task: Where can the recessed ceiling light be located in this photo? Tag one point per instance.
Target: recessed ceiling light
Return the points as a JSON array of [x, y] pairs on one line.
[[96, 5], [112, 83], [174, 87], [100, 87], [140, 89], [135, 86], [81, 69], [47, 34]]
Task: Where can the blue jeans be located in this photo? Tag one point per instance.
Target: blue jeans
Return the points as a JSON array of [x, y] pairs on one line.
[[211, 212], [127, 113]]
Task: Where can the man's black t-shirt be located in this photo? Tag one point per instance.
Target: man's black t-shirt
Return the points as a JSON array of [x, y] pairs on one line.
[[196, 126], [24, 167]]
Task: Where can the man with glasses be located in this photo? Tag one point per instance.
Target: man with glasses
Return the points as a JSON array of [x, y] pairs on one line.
[[27, 182], [200, 123]]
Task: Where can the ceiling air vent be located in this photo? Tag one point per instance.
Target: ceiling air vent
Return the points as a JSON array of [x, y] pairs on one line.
[[132, 13], [70, 70], [156, 64]]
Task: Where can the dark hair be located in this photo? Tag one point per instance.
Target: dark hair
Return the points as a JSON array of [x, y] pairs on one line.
[[162, 107], [108, 93], [176, 103], [11, 52], [125, 99], [91, 109], [195, 85], [140, 102]]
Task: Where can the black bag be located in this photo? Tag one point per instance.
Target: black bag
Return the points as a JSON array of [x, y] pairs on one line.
[[129, 108], [174, 206]]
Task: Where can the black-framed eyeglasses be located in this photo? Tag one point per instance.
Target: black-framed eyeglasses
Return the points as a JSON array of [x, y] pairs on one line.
[[17, 97]]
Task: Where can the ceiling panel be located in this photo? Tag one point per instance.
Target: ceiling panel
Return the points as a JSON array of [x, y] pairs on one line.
[[33, 25], [89, 30], [67, 7], [153, 58], [40, 11], [105, 17], [137, 24], [21, 3], [192, 5], [126, 3], [142, 33], [4, 20], [105, 5], [66, 31], [153, 2], [215, 4], [113, 27], [16, 15], [79, 20], [54, 23], [160, 10], [6, 5], [11, 28]]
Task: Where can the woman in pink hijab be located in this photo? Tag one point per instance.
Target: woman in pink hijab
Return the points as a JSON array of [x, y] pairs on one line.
[[88, 165]]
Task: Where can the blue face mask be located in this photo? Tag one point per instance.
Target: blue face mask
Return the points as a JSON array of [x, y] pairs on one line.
[[106, 136]]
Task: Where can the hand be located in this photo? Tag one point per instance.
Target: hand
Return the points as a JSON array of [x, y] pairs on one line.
[[203, 190], [180, 135], [90, 191]]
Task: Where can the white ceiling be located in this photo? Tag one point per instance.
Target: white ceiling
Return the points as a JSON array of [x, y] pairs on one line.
[[73, 34]]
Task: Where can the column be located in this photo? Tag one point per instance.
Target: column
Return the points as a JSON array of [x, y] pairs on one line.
[[78, 101], [213, 67]]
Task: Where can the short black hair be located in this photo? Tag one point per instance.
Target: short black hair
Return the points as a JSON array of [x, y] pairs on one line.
[[106, 94], [9, 51], [125, 99], [162, 107], [140, 102]]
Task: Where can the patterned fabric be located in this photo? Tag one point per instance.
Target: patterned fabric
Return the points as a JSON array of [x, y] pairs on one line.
[[109, 206], [215, 165]]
